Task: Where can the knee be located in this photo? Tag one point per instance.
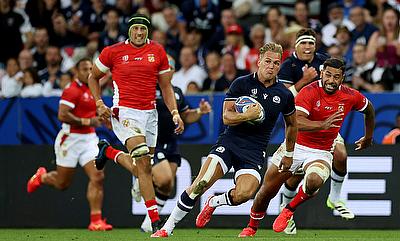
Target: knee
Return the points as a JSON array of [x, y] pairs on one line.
[[97, 178], [165, 183], [314, 182]]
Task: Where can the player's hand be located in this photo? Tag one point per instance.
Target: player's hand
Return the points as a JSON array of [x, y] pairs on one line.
[[363, 143], [285, 164], [204, 106], [253, 112], [309, 74], [103, 111], [96, 121], [180, 127], [329, 122]]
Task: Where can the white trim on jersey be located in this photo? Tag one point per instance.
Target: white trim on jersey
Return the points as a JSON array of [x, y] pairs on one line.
[[221, 162], [365, 106], [230, 99], [101, 66], [67, 103], [286, 81], [164, 71], [252, 172], [116, 94], [302, 109]]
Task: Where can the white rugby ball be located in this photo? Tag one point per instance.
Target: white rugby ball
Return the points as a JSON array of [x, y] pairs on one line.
[[242, 104]]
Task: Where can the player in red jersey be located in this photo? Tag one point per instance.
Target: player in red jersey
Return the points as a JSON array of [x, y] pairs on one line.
[[136, 65], [321, 108], [76, 143]]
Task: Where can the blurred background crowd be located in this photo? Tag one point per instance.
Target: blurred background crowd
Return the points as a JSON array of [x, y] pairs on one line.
[[210, 42]]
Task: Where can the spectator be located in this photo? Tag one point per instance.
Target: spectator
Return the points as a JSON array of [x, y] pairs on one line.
[[192, 40], [343, 38], [10, 23], [335, 51], [50, 76], [40, 12], [175, 32], [77, 16], [235, 43], [336, 18], [61, 36], [203, 15], [31, 84], [301, 17], [41, 42], [363, 30], [276, 24], [215, 75], [191, 76], [113, 32], [25, 59], [125, 9], [217, 40], [257, 36], [230, 72], [97, 16], [393, 137], [10, 84]]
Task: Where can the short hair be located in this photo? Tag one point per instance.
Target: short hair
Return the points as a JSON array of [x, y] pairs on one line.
[[81, 61], [335, 63], [272, 47], [306, 31], [34, 74]]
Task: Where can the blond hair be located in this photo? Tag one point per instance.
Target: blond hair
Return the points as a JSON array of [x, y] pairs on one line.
[[271, 47]]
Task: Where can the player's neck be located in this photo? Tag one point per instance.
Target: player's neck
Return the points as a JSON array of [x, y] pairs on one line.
[[268, 82]]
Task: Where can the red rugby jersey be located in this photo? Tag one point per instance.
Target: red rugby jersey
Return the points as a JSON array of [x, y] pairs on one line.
[[319, 105]]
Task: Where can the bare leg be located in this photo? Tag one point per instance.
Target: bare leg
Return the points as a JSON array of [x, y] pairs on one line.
[[95, 190], [60, 179]]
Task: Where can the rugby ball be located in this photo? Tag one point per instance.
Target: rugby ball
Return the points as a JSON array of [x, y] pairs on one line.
[[242, 104]]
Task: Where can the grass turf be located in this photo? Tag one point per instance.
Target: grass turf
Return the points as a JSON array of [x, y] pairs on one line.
[[195, 234]]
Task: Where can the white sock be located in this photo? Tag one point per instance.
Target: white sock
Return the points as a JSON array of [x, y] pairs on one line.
[[222, 199], [176, 216], [336, 186], [287, 195]]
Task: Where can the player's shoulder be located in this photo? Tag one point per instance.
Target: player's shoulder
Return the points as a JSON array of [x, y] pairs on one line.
[[155, 45], [244, 79], [283, 89], [322, 57], [72, 89], [346, 90], [313, 86], [116, 46], [288, 61]]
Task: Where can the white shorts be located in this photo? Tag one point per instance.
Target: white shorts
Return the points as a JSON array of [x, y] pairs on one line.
[[128, 122], [73, 148], [338, 140], [302, 156]]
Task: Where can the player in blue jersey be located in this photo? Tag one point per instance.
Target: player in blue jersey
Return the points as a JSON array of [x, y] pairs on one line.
[[242, 145], [298, 70]]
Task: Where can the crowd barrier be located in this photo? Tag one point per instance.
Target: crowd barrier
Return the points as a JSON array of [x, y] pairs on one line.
[[370, 189]]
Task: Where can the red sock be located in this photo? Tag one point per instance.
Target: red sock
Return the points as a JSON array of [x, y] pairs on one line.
[[94, 217], [151, 206], [300, 198], [255, 218], [112, 153]]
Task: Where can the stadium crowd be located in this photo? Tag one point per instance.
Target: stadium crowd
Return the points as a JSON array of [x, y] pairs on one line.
[[212, 42]]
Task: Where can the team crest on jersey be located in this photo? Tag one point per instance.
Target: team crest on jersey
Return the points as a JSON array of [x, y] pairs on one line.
[[276, 99], [125, 58], [151, 58], [220, 149], [125, 123], [318, 104], [341, 107]]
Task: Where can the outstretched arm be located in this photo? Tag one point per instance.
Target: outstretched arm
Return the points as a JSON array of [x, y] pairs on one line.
[[193, 115], [369, 121]]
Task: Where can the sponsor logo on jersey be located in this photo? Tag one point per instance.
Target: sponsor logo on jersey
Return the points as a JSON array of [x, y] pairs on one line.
[[265, 96]]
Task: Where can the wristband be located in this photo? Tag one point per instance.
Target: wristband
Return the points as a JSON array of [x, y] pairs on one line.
[[293, 90], [289, 153], [85, 121], [174, 112]]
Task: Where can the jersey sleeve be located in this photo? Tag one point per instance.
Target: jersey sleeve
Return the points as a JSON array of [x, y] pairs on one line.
[[104, 61], [290, 107], [285, 72], [69, 97], [360, 101], [235, 90], [164, 64], [183, 105], [304, 100]]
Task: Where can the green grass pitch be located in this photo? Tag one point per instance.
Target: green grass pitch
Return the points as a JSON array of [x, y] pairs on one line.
[[195, 234]]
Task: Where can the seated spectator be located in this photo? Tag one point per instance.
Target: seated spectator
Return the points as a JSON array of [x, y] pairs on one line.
[[78, 17], [384, 46], [41, 42], [235, 43], [257, 36], [334, 51], [191, 76], [50, 76], [113, 32], [61, 36], [393, 137], [192, 39], [343, 38], [25, 59], [230, 72], [301, 17], [31, 84], [10, 83], [275, 25], [363, 30], [213, 62], [175, 32], [217, 40]]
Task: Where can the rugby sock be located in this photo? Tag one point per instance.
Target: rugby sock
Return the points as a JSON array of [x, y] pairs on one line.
[[183, 207], [337, 179], [161, 199], [151, 206], [112, 153], [94, 217], [255, 218], [288, 194], [300, 198], [222, 199]]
